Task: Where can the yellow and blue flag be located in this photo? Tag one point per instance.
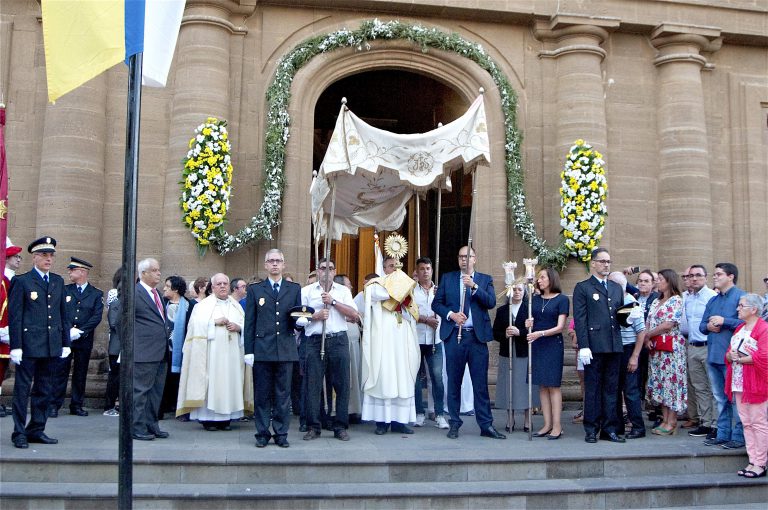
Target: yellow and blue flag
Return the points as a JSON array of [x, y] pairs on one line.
[[84, 38]]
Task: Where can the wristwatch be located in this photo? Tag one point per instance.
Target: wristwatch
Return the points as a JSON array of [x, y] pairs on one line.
[[333, 303]]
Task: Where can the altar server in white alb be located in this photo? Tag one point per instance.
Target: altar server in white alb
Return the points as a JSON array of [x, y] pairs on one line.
[[391, 353], [215, 387]]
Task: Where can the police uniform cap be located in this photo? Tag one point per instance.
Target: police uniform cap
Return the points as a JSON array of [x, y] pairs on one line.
[[302, 311], [622, 314], [42, 245], [76, 263]]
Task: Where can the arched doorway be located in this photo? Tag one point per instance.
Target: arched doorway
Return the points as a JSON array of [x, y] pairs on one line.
[[401, 102]]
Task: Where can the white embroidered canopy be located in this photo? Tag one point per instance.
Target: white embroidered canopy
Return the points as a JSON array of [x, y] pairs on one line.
[[376, 172]]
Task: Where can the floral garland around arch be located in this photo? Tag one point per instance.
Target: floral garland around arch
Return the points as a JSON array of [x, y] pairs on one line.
[[583, 192], [206, 182], [278, 128]]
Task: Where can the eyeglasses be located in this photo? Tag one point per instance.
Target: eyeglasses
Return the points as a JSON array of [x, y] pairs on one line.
[[686, 276], [742, 305], [465, 257], [604, 261], [274, 261]]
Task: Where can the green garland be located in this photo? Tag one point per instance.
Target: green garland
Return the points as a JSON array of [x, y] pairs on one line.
[[278, 127]]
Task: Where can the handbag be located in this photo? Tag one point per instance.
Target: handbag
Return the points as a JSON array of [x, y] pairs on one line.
[[663, 343]]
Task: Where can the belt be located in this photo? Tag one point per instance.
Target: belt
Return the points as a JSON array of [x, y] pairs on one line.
[[698, 344], [466, 330], [330, 335]]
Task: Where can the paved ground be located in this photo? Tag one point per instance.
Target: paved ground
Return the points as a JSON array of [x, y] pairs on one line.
[[95, 437]]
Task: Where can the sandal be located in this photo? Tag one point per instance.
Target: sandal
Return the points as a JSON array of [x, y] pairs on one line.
[[579, 417], [752, 474], [741, 472]]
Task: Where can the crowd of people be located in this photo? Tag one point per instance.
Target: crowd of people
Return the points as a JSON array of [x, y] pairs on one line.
[[220, 350]]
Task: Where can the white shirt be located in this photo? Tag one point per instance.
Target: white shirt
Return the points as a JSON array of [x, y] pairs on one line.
[[311, 295], [423, 298]]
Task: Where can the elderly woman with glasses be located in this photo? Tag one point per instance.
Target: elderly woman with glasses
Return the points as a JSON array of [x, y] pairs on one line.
[[746, 381]]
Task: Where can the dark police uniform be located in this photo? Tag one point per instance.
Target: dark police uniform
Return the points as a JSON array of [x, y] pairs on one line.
[[84, 312], [38, 326], [268, 335]]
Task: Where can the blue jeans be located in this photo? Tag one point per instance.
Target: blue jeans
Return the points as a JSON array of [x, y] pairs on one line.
[[434, 363], [726, 410]]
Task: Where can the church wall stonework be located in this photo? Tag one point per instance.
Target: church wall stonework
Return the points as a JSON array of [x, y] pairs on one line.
[[674, 94]]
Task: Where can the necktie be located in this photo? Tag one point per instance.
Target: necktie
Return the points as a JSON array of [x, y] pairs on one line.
[[275, 289], [79, 290], [45, 278], [158, 303], [605, 285]]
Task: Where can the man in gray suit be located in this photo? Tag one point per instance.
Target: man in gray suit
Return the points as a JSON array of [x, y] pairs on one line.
[[150, 356], [595, 303]]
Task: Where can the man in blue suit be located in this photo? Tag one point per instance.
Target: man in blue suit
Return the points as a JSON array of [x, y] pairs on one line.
[[475, 325]]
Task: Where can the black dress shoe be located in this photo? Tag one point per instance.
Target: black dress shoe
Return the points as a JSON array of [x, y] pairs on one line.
[[542, 434], [590, 437], [78, 411], [492, 433], [453, 432], [401, 428], [381, 428], [261, 441], [53, 412], [282, 441], [635, 434], [210, 428], [612, 437], [143, 437], [42, 439], [161, 434], [20, 442]]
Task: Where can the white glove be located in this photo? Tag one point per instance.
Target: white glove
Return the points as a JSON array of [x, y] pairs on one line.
[[4, 337], [585, 356], [74, 333], [16, 356], [302, 322], [65, 351], [118, 357], [248, 358]]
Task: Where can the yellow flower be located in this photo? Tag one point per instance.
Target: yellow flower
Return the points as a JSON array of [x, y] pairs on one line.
[[207, 131], [188, 220], [579, 142]]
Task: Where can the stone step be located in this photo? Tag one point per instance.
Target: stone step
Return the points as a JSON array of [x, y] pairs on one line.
[[185, 468], [650, 491]]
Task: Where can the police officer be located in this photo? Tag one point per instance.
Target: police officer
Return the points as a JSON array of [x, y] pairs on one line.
[[39, 334], [270, 348], [85, 304]]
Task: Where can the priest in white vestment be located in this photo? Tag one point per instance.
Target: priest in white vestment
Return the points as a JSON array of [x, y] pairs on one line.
[[215, 387], [390, 352]]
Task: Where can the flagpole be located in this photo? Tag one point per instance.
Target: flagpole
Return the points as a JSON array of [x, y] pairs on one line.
[[127, 294]]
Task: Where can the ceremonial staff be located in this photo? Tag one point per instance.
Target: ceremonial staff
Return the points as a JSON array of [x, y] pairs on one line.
[[509, 280], [530, 274]]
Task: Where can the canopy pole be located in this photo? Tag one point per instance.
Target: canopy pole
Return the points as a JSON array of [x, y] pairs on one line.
[[328, 281], [418, 227], [510, 411], [437, 249], [469, 247]]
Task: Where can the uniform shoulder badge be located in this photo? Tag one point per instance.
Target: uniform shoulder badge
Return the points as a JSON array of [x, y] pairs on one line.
[[33, 295], [261, 301], [69, 298]]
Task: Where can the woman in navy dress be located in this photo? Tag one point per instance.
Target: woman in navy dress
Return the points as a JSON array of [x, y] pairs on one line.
[[549, 311]]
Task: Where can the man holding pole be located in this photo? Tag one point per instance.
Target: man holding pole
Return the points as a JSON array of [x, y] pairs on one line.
[[465, 330], [328, 348]]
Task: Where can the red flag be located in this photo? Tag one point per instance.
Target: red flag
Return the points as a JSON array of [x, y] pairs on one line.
[[3, 189]]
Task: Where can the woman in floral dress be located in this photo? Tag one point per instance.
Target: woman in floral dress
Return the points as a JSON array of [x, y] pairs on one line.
[[667, 384]]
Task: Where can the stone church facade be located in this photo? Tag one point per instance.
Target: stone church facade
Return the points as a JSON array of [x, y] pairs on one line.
[[674, 93]]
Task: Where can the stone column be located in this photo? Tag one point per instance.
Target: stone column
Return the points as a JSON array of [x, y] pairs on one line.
[[70, 196], [685, 205], [580, 112], [201, 89]]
